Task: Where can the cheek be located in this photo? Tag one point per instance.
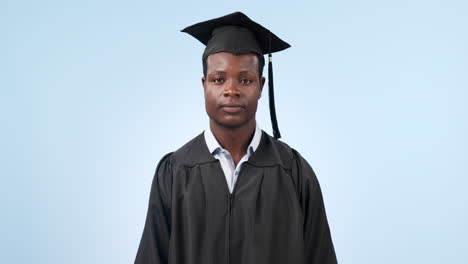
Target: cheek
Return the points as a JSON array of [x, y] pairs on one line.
[[253, 103], [210, 99], [211, 92], [254, 97]]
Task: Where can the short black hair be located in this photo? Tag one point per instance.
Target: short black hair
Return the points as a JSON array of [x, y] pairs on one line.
[[261, 64]]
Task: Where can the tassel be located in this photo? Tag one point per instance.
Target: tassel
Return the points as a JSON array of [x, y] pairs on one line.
[[274, 122]]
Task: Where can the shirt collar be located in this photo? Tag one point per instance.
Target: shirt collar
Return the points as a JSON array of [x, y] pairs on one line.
[[213, 144]]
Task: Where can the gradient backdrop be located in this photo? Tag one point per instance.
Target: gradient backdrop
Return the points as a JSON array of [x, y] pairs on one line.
[[372, 93]]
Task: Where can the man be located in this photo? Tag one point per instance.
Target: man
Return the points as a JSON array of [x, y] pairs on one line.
[[234, 194]]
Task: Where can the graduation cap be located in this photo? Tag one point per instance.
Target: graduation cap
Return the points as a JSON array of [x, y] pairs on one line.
[[237, 34]]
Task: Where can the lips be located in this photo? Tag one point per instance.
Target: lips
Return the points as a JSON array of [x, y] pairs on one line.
[[231, 108]]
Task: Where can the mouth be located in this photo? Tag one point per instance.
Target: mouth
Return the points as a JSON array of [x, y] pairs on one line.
[[231, 108]]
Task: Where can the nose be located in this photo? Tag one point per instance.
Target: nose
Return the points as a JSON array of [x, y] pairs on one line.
[[231, 90]]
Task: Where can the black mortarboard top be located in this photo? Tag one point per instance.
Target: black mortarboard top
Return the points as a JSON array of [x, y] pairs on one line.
[[237, 34]]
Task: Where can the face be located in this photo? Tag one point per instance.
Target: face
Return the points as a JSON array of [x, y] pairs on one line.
[[232, 88]]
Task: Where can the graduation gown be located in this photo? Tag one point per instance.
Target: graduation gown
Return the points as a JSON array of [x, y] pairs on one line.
[[275, 213]]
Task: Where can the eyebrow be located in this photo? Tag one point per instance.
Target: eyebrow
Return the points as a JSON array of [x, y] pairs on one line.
[[217, 72], [251, 72], [223, 72]]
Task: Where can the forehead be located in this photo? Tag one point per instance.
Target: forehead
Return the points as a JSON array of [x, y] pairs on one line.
[[220, 60]]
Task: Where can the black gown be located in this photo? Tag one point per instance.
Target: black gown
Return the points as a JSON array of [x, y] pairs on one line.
[[275, 213]]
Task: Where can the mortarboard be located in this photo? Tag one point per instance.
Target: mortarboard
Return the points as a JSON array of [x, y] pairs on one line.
[[237, 34]]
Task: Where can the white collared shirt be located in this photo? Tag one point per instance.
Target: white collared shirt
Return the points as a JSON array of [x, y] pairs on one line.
[[227, 163]]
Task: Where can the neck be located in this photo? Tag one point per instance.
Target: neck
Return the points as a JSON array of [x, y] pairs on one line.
[[234, 139]]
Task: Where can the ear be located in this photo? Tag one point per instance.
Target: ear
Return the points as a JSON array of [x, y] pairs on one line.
[[203, 80], [262, 83]]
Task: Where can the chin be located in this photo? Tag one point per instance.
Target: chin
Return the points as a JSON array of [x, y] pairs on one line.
[[230, 122]]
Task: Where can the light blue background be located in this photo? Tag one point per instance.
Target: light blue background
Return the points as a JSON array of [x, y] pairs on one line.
[[372, 93]]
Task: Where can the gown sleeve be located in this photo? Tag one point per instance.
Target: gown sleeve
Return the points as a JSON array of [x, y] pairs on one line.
[[317, 238], [154, 244]]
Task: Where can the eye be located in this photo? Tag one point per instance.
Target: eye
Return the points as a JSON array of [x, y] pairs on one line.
[[218, 80], [245, 81]]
